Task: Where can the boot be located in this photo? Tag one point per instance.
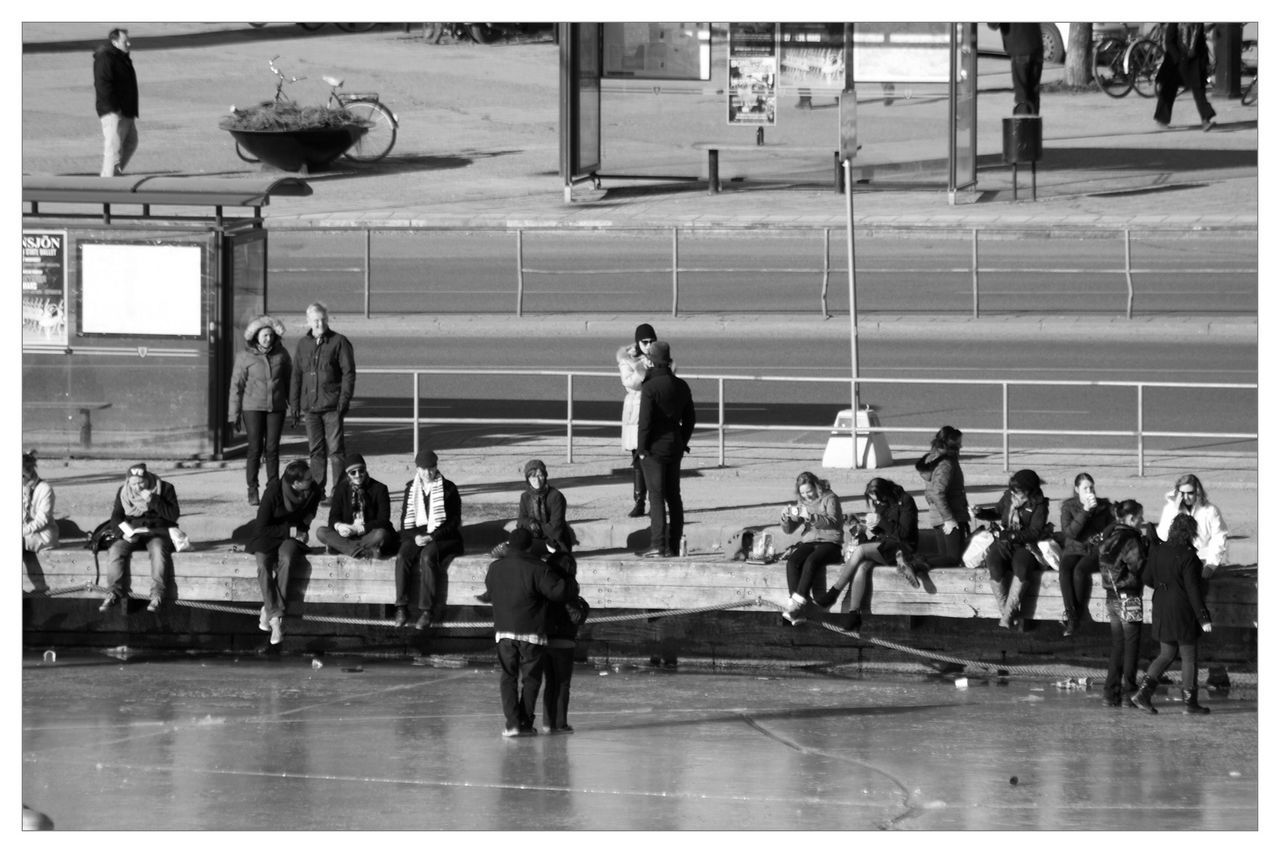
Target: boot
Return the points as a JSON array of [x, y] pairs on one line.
[[1191, 703], [998, 591], [1142, 699], [826, 599], [638, 492], [853, 620], [1009, 615], [1070, 623]]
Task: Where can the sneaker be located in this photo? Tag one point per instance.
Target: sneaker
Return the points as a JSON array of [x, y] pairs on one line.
[[423, 623], [402, 617], [657, 552], [154, 606], [527, 731], [109, 602], [547, 730], [511, 731], [566, 729], [277, 630], [793, 617], [1208, 125], [263, 623]]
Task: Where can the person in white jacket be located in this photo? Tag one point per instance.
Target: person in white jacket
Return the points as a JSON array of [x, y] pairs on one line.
[[1189, 498], [632, 365], [39, 530]]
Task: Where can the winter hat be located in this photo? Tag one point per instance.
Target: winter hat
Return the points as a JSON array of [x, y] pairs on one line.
[[645, 332], [426, 459], [534, 465], [1025, 480], [355, 459], [519, 540], [29, 461], [266, 321], [137, 469], [660, 353]]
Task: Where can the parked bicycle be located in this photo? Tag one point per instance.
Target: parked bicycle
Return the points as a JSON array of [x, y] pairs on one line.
[[1121, 65], [383, 125]]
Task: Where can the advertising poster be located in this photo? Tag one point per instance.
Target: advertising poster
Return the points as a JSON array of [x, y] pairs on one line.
[[812, 57], [753, 74], [44, 287], [657, 50], [903, 52]]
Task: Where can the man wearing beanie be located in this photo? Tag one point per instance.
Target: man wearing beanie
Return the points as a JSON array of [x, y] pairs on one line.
[[666, 423], [520, 587], [430, 537], [359, 515], [632, 365], [542, 512]]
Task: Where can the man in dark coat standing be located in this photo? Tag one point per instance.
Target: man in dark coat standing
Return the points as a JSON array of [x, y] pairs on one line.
[[521, 586], [1186, 63], [360, 515], [666, 423], [116, 89], [1025, 46], [324, 380]]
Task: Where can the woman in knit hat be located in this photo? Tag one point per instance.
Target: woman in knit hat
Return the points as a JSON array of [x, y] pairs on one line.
[[542, 512], [1024, 512], [259, 397], [632, 364]]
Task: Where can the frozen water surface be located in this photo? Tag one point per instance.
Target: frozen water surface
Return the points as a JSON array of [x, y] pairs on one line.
[[253, 743]]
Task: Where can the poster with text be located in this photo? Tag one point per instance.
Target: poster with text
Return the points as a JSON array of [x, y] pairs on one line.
[[753, 74], [44, 287], [812, 57]]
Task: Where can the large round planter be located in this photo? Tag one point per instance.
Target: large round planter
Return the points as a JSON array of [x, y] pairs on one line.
[[294, 150]]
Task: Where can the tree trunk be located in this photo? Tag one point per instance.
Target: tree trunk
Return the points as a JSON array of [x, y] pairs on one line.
[[1076, 72]]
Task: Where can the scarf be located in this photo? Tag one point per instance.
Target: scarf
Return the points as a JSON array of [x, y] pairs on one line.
[[131, 499], [540, 504], [293, 500], [357, 504], [28, 497], [426, 501]]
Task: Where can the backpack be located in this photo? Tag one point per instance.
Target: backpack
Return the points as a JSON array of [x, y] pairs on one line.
[[102, 538]]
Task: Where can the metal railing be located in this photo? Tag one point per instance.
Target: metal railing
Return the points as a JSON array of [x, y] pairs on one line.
[[722, 427], [822, 269]]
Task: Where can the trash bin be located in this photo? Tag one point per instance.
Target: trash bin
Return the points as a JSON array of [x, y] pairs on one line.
[[1022, 139]]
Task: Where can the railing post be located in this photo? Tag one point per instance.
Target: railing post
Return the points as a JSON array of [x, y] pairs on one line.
[[975, 273], [826, 269], [1128, 274], [1141, 442], [416, 411], [1004, 405], [675, 270], [519, 272], [568, 418], [720, 412], [368, 254]]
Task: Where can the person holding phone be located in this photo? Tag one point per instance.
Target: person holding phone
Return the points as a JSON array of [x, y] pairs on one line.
[[1189, 498], [817, 511], [1084, 518], [944, 491]]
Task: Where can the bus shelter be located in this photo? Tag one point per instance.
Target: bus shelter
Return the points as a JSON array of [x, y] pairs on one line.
[[134, 292]]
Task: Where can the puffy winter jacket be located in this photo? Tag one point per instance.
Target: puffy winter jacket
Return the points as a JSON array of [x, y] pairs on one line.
[[1120, 558], [944, 488]]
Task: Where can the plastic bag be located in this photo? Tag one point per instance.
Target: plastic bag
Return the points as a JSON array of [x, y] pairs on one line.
[[181, 542], [975, 553], [1049, 554]]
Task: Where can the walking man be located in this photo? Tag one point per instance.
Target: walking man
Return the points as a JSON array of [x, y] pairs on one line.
[[521, 586], [324, 379], [116, 87], [666, 424]]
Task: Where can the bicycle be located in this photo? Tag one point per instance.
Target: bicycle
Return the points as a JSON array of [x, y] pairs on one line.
[[376, 142], [1121, 65]]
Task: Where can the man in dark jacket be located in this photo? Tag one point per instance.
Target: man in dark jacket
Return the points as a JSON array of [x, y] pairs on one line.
[[521, 586], [144, 510], [430, 536], [359, 516], [1025, 46], [666, 424], [116, 89], [324, 379]]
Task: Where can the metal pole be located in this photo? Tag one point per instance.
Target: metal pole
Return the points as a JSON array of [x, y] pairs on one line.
[[1141, 444], [675, 270], [519, 272], [975, 273], [368, 253], [1128, 274], [853, 307], [826, 269], [720, 425], [568, 418], [1004, 404], [416, 412]]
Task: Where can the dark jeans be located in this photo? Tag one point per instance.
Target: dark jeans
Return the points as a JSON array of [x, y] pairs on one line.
[[1190, 75], [433, 590], [1026, 84], [952, 548], [377, 542], [1073, 581], [1125, 637], [1187, 651], [807, 566], [263, 432], [1002, 557], [273, 574], [325, 441], [520, 681], [666, 507], [557, 673], [159, 548]]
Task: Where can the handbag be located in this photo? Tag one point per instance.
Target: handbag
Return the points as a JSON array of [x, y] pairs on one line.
[[1049, 554], [1130, 607], [975, 553]]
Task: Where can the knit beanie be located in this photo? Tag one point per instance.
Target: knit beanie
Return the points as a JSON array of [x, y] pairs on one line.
[[534, 465], [354, 459], [645, 332], [520, 540], [426, 459]]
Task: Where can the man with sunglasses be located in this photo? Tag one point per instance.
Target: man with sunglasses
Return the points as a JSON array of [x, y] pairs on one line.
[[359, 515]]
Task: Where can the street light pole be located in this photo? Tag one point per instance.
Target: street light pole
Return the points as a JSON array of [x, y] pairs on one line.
[[853, 304]]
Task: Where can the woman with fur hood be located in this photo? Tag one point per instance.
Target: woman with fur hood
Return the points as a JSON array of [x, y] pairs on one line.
[[633, 363], [259, 397], [1024, 512], [944, 491]]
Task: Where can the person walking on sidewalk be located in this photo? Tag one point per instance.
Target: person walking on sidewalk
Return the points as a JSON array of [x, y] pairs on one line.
[[1186, 63], [1178, 614], [816, 510], [430, 537], [259, 397], [632, 367], [521, 586], [279, 542], [1121, 556], [144, 510], [115, 86], [1084, 518], [1189, 498], [359, 515], [1024, 512], [324, 380], [944, 491], [666, 424]]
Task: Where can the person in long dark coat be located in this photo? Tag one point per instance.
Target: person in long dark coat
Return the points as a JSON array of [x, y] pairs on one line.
[[1178, 614], [279, 542], [1186, 63]]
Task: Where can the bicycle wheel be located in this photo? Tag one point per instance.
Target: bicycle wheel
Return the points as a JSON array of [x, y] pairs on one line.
[[357, 28], [245, 155], [1108, 68], [1142, 62], [381, 136], [311, 28]]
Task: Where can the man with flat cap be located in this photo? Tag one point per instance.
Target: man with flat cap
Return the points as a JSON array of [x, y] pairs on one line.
[[521, 586], [359, 515], [666, 424], [430, 537]]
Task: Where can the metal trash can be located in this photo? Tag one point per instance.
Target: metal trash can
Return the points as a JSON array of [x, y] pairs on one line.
[[1022, 144]]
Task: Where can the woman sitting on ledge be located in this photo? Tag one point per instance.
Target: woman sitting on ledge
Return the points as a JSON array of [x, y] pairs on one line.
[[1023, 511], [817, 510]]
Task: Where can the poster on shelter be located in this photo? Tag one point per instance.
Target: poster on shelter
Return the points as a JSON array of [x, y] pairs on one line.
[[657, 50], [44, 287], [812, 57], [753, 74], [901, 52]]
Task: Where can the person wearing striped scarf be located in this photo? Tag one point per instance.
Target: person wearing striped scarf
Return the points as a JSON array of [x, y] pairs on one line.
[[430, 537]]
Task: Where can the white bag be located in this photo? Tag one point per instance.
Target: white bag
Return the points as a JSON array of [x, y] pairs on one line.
[[975, 553], [1049, 553], [180, 540]]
